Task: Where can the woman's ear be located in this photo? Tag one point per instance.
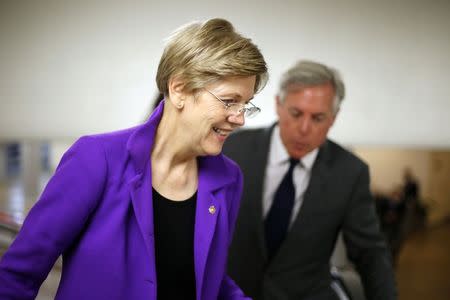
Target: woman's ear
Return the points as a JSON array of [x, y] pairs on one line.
[[176, 91]]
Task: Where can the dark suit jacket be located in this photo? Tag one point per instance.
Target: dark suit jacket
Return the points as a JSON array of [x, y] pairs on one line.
[[337, 198]]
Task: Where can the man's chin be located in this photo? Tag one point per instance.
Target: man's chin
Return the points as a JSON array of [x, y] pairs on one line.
[[299, 153]]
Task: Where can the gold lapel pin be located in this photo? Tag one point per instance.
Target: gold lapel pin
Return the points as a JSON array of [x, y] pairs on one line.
[[212, 209]]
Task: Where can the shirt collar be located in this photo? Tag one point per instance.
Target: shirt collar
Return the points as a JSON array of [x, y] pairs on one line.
[[278, 154]]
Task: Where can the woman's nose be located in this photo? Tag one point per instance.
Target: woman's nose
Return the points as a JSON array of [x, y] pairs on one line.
[[237, 119]]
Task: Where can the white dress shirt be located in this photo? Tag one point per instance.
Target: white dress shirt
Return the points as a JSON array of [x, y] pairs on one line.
[[277, 166]]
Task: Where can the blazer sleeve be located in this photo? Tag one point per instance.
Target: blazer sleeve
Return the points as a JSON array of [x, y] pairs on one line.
[[55, 221], [365, 243], [229, 289]]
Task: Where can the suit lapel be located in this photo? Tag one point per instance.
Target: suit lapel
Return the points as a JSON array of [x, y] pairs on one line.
[[257, 171], [313, 199]]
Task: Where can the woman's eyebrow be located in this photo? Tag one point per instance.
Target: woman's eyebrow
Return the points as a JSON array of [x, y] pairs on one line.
[[236, 96]]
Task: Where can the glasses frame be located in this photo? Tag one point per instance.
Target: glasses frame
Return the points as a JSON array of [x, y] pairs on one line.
[[249, 112]]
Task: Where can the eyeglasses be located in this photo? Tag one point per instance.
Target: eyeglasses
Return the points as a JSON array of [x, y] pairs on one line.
[[237, 108]]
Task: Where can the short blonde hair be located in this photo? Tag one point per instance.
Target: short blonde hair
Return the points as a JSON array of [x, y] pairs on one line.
[[203, 53]]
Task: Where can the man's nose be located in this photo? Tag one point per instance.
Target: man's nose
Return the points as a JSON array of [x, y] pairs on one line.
[[305, 125]]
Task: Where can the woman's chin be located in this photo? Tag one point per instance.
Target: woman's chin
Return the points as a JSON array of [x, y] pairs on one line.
[[212, 150]]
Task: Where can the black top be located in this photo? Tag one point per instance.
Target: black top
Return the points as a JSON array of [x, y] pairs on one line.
[[174, 247]]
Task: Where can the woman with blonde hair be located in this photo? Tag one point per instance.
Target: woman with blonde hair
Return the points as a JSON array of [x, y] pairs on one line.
[[149, 212]]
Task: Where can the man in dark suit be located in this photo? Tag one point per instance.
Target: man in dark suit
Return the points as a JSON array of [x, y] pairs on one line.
[[300, 190]]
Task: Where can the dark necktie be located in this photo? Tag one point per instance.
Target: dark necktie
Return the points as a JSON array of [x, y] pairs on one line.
[[279, 216]]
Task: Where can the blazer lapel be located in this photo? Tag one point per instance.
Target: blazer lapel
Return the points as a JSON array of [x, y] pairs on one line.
[[139, 148], [205, 224], [212, 177], [141, 197]]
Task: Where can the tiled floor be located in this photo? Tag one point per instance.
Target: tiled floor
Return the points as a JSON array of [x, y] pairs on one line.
[[423, 270]]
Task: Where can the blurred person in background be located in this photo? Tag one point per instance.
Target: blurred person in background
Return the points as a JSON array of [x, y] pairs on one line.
[[391, 211], [301, 189], [149, 212], [415, 209]]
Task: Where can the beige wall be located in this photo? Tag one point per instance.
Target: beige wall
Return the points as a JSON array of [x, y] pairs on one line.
[[439, 183], [387, 166], [431, 168]]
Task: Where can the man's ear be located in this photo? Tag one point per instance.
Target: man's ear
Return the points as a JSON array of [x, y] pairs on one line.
[[277, 100], [177, 93], [335, 115], [278, 104]]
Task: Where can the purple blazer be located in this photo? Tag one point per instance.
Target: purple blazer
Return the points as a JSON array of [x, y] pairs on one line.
[[97, 212]]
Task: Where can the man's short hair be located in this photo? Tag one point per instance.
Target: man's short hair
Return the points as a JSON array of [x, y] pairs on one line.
[[309, 73]]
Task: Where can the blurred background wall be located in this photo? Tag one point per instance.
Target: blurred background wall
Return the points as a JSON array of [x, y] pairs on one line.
[[74, 67], [69, 68]]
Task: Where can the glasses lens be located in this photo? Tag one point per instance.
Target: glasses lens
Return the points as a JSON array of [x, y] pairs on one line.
[[252, 112], [236, 109]]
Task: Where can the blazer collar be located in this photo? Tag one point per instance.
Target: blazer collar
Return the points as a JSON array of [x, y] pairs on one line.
[[141, 141]]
